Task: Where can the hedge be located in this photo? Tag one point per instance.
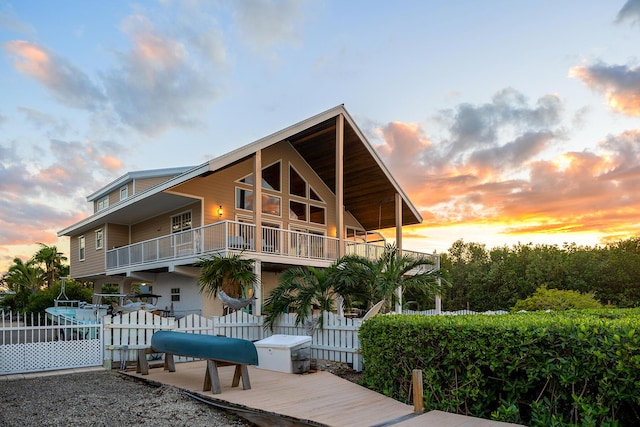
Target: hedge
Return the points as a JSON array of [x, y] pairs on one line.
[[551, 369]]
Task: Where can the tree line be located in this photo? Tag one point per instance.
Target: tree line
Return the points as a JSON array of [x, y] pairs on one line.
[[492, 279], [474, 276]]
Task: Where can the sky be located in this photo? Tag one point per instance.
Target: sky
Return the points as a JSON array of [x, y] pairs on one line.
[[504, 121]]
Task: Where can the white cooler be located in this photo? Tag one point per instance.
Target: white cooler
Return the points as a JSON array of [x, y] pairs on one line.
[[284, 353]]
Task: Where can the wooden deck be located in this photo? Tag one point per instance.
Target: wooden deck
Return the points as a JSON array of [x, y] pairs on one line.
[[320, 398]]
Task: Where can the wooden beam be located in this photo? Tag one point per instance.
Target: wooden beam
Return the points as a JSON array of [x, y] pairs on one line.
[[257, 200], [340, 183]]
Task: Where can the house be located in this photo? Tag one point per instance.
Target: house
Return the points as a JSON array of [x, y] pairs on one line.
[[323, 193]]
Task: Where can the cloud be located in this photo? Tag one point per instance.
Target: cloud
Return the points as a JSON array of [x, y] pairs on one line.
[[630, 12], [40, 120], [497, 164], [66, 83], [265, 24], [511, 155], [54, 192], [157, 84], [619, 83], [473, 126]]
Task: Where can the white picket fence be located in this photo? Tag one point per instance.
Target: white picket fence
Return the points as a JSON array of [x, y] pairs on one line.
[[336, 341], [38, 343]]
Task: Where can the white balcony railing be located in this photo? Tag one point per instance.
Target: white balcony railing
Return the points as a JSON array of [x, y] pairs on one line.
[[237, 236]]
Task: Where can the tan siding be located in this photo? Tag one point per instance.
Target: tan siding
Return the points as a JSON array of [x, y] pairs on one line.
[[146, 183], [117, 235], [219, 189], [161, 224], [94, 262]]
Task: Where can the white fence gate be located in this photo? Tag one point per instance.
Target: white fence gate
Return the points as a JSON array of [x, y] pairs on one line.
[[336, 341], [37, 343]]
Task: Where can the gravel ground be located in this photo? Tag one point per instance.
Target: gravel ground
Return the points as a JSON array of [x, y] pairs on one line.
[[108, 398], [103, 398]]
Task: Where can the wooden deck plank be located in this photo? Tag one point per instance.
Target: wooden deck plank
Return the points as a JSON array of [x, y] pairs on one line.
[[320, 397]]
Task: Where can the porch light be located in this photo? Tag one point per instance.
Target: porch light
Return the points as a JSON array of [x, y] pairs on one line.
[[220, 212]]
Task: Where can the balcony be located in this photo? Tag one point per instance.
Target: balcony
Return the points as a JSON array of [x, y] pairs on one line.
[[231, 236]]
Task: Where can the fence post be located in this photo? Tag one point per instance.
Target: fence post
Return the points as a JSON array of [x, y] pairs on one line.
[[418, 394]]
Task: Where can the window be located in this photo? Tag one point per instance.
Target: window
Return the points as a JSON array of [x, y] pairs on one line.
[[103, 203], [124, 192], [297, 185], [175, 294], [81, 248], [316, 214], [313, 195], [244, 199], [297, 211], [99, 239], [181, 222], [270, 177], [271, 204]]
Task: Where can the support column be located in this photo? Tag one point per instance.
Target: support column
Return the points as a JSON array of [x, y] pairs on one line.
[[340, 184], [398, 217], [257, 200]]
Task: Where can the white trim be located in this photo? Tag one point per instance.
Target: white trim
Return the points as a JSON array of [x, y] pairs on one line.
[[101, 231], [82, 248]]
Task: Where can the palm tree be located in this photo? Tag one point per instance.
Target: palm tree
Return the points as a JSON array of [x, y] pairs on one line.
[[52, 260], [366, 281], [233, 274], [300, 289], [25, 278]]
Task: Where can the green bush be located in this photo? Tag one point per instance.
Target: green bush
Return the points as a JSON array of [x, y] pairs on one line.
[[555, 299], [560, 368], [39, 301]]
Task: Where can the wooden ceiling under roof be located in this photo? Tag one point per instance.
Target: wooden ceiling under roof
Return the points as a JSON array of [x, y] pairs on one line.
[[369, 194]]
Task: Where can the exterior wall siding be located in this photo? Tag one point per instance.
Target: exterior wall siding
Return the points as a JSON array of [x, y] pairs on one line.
[[219, 188], [140, 185], [161, 225], [117, 235], [94, 261]]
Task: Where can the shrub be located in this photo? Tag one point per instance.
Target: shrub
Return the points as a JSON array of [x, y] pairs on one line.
[[555, 299], [560, 368]]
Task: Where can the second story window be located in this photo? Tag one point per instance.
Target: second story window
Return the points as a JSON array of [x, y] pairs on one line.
[[81, 248], [124, 192], [103, 203], [181, 222], [99, 239]]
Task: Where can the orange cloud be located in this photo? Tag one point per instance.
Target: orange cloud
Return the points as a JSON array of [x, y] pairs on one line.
[[30, 59], [508, 186], [111, 163]]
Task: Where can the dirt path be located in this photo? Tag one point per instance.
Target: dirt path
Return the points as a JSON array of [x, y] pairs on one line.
[[102, 398]]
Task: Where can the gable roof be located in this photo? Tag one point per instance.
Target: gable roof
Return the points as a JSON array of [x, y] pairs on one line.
[[369, 188]]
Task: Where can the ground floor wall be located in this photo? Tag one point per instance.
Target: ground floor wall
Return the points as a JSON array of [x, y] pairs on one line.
[[181, 292]]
